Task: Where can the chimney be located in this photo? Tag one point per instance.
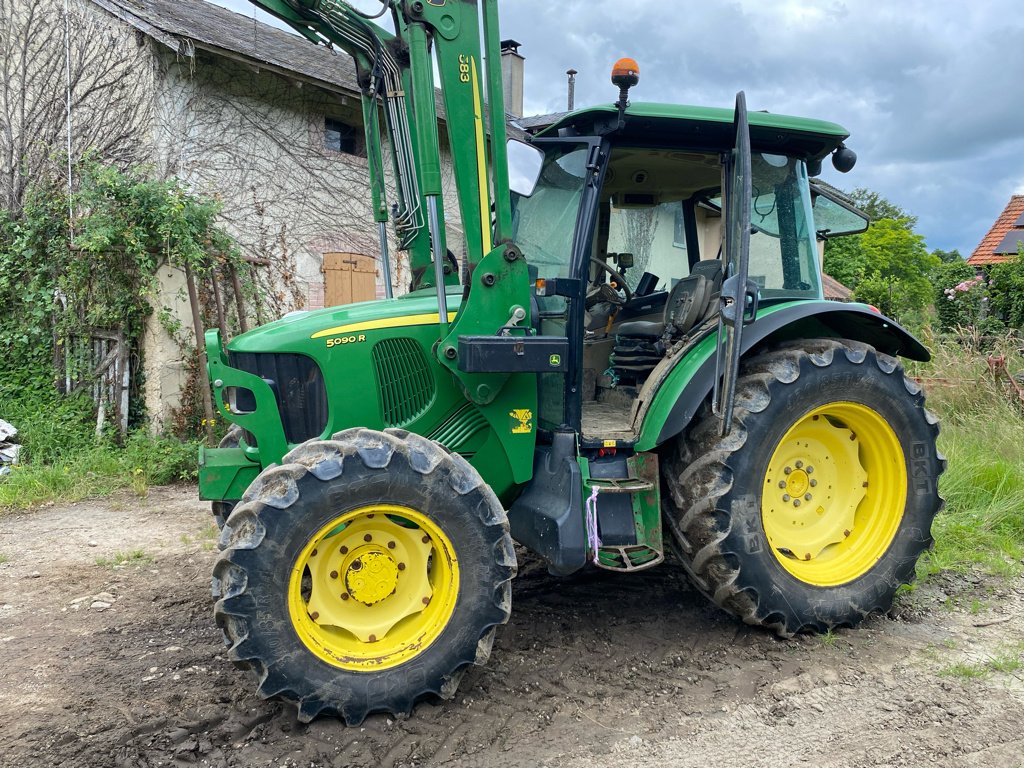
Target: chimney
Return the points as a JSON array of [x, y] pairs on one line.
[[512, 77]]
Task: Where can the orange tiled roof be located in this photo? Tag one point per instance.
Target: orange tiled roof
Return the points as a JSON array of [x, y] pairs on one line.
[[984, 253]]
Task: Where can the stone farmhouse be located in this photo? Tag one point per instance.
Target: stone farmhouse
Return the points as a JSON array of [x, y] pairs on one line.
[[271, 126]]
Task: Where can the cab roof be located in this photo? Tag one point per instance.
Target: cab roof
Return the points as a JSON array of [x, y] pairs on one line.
[[689, 127]]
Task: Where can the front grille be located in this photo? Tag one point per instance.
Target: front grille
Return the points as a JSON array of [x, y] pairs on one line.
[[403, 379], [298, 387]]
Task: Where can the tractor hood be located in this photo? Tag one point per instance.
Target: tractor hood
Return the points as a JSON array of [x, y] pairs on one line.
[[297, 330]]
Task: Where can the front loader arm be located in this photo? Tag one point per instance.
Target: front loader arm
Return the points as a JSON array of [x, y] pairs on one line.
[[396, 72]]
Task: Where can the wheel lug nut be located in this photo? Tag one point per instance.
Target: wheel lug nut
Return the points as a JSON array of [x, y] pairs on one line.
[[807, 497], [367, 537], [782, 483], [344, 595], [334, 574], [372, 638], [401, 566], [813, 483], [787, 470], [796, 502], [314, 615], [426, 539], [344, 550], [426, 601], [809, 469], [846, 532], [313, 553], [785, 497], [391, 545], [799, 465], [807, 556]]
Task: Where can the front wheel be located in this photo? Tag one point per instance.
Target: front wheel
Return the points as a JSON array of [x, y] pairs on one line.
[[817, 506], [366, 572]]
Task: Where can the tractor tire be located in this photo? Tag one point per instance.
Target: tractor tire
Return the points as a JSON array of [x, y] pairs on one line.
[[363, 574], [814, 510], [222, 509]]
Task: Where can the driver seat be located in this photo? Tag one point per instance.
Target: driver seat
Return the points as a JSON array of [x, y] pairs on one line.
[[640, 345]]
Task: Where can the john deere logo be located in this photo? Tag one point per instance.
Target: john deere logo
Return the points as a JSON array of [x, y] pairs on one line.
[[522, 421], [555, 360]]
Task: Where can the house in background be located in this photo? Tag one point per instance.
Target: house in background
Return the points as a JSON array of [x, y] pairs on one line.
[[1003, 240], [270, 126]]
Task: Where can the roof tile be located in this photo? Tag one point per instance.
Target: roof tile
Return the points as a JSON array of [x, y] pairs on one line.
[[985, 253]]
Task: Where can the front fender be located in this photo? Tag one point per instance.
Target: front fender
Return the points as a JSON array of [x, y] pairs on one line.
[[683, 390]]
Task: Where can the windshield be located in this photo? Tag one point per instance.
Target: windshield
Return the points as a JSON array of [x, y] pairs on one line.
[[543, 224]]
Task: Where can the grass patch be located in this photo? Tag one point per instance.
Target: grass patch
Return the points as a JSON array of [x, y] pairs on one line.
[[64, 461], [982, 436], [1009, 660], [123, 559], [4, 558], [963, 671]]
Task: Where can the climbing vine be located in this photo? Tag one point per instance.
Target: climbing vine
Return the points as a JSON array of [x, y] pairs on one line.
[[90, 260]]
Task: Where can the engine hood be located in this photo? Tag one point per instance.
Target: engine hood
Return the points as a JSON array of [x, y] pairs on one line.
[[294, 332]]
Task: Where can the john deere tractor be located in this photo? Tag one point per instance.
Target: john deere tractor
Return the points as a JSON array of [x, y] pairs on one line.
[[633, 350]]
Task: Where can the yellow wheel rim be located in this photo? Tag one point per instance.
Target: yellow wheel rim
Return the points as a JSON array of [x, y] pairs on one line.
[[834, 494], [373, 588]]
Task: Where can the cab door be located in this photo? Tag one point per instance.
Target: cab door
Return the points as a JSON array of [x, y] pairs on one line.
[[738, 299]]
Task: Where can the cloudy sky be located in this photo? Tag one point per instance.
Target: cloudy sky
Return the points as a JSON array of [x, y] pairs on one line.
[[930, 91]]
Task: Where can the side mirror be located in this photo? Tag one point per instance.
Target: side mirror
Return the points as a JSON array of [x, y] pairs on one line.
[[524, 165]]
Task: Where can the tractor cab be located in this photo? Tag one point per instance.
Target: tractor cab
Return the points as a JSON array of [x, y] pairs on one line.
[[630, 208]]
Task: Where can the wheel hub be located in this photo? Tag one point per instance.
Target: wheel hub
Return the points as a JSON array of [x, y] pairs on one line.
[[802, 520], [368, 575], [825, 522], [371, 577]]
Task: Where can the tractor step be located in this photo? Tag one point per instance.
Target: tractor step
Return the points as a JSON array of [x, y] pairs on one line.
[[632, 558], [622, 485], [624, 522]]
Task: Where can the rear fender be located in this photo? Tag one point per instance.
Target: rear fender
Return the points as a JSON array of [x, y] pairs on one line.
[[683, 390]]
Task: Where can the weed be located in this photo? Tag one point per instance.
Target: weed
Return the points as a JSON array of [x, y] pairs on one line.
[[964, 671], [123, 559], [4, 558], [829, 639]]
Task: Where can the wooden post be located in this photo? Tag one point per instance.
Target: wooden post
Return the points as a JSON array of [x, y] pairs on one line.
[[197, 324], [236, 285], [219, 301]]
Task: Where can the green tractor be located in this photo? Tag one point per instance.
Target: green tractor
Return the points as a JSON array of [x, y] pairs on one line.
[[633, 351]]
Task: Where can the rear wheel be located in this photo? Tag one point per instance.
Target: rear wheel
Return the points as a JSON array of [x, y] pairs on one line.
[[817, 506], [363, 574]]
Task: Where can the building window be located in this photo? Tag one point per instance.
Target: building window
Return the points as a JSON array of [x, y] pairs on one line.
[[340, 137]]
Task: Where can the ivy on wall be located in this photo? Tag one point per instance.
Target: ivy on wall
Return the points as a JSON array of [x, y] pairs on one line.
[[89, 260]]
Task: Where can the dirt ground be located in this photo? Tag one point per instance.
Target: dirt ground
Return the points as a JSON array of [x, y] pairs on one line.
[[597, 670]]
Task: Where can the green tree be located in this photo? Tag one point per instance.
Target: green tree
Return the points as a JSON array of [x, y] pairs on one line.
[[948, 257], [877, 207], [896, 268]]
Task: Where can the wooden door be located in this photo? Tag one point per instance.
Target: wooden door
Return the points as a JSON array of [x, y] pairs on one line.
[[348, 278]]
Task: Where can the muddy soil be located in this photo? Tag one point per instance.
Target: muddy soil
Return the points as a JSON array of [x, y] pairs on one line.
[[108, 663]]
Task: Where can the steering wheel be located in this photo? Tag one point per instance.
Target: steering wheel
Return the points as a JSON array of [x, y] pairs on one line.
[[620, 281]]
